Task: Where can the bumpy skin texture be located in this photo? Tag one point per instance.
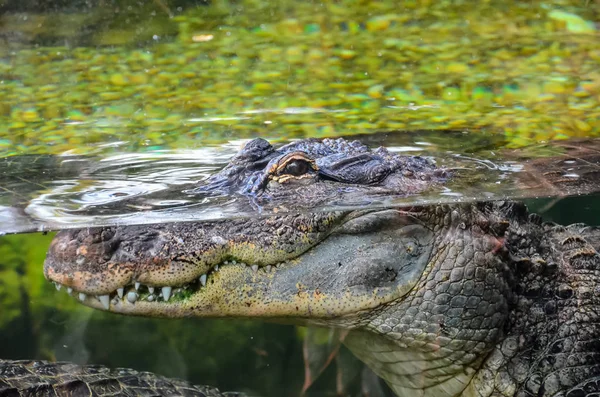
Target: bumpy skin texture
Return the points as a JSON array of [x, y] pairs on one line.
[[507, 307], [40, 379]]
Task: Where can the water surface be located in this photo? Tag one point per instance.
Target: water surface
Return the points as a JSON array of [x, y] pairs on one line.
[[40, 193]]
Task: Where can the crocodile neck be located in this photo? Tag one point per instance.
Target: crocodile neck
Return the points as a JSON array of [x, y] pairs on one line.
[[411, 370], [543, 299]]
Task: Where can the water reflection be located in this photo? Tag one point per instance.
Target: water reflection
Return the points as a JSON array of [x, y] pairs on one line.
[[54, 192]]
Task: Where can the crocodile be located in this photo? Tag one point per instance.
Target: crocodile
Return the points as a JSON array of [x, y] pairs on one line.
[[465, 299], [37, 378]]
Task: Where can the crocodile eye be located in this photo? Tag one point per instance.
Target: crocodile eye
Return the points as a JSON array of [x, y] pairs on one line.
[[296, 167], [292, 167]]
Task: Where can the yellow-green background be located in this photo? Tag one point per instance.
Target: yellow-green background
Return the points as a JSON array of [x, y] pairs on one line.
[[158, 74]]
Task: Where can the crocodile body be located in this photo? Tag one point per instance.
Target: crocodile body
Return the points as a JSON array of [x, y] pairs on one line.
[[475, 299], [41, 378]]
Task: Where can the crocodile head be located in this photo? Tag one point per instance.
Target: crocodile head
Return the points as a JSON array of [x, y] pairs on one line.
[[307, 173], [308, 266]]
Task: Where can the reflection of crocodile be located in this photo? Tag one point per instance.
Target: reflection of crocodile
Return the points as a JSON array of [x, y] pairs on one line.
[[469, 299]]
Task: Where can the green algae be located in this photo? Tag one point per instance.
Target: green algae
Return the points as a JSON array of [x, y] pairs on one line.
[[353, 66]]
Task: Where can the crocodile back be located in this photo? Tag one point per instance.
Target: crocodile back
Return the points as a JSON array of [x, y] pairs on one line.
[[570, 359], [553, 346], [41, 378]]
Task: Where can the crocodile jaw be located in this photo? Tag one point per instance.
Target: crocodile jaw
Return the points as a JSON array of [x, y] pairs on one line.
[[368, 260], [235, 291]]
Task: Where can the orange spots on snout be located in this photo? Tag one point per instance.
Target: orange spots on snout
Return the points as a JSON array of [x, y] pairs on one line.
[[102, 281], [62, 278], [82, 250]]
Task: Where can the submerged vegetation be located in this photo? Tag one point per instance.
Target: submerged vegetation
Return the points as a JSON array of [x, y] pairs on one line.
[[158, 76]]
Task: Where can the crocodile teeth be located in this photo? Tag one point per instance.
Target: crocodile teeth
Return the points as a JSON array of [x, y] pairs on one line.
[[58, 286], [105, 300], [150, 298], [151, 290], [120, 292], [203, 280], [268, 269], [137, 285], [254, 268], [166, 292], [216, 268], [69, 290], [131, 296], [82, 296]]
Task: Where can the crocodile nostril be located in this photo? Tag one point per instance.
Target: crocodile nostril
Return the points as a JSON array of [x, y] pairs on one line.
[[107, 234]]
